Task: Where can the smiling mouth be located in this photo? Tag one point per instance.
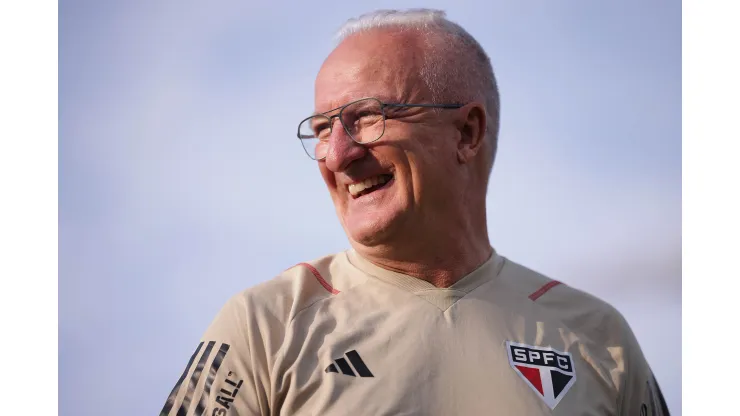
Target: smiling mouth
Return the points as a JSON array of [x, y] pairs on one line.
[[368, 185]]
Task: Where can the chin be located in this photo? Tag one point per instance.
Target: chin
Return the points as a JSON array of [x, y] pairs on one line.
[[375, 218], [372, 230]]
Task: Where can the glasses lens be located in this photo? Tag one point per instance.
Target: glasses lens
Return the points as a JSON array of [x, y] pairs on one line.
[[364, 120], [314, 135]]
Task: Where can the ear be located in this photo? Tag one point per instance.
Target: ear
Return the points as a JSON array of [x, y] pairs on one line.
[[472, 126]]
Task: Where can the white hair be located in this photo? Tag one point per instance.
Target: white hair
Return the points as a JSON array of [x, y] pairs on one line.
[[455, 68]]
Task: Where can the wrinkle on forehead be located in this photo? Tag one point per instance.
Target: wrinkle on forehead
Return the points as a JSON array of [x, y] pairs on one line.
[[382, 63]]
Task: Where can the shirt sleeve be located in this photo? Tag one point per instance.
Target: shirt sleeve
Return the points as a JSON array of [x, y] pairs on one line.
[[640, 393], [223, 376]]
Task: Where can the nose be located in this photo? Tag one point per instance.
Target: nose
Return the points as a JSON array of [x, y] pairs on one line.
[[342, 150]]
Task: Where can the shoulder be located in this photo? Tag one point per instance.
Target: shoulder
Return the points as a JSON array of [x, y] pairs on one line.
[[579, 310], [248, 334], [281, 298]]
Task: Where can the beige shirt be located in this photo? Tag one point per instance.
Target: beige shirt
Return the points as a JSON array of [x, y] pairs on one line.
[[342, 336]]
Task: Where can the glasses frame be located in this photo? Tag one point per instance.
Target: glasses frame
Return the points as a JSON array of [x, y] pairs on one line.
[[383, 106]]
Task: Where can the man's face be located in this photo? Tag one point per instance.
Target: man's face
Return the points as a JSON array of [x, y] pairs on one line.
[[412, 168]]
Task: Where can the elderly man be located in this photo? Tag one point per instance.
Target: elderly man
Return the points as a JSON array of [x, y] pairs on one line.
[[421, 316]]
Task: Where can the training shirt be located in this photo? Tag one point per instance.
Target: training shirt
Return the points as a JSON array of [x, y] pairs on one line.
[[342, 336]]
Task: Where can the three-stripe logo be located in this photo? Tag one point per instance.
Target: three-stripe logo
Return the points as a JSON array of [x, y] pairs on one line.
[[193, 381], [341, 364]]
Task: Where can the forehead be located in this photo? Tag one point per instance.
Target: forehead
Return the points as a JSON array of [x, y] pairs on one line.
[[381, 64]]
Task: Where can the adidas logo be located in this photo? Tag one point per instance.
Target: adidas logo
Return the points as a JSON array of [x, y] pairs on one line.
[[345, 368]]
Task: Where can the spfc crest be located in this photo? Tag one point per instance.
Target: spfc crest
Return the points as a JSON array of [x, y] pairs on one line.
[[547, 371]]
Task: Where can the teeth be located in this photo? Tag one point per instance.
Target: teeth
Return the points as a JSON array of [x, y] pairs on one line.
[[356, 188]]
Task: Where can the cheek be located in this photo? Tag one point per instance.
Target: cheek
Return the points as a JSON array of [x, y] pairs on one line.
[[432, 167], [329, 179]]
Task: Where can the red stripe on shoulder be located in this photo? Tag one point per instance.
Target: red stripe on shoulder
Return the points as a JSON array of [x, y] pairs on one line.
[[321, 280], [541, 291]]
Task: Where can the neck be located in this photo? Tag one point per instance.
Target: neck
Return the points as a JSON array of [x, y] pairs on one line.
[[426, 256]]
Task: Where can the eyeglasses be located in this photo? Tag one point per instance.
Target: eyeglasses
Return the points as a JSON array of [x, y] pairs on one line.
[[363, 120]]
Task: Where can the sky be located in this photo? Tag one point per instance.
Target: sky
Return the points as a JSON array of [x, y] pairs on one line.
[[181, 181]]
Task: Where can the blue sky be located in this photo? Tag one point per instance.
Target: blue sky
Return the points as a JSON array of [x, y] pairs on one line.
[[181, 181]]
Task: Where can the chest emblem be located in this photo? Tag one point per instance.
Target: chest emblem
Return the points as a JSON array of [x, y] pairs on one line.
[[549, 372]]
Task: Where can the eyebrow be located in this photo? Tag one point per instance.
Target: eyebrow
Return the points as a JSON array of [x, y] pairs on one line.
[[382, 98], [316, 113]]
